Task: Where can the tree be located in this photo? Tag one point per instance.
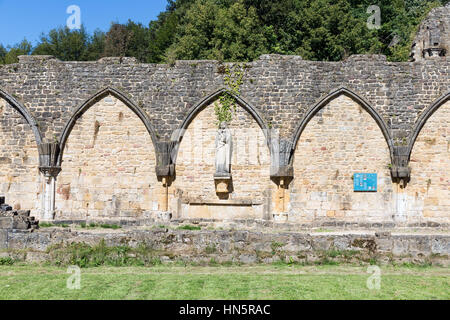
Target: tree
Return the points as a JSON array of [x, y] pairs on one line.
[[3, 53], [64, 44], [242, 30], [137, 45], [96, 46], [225, 33], [117, 40], [22, 48]]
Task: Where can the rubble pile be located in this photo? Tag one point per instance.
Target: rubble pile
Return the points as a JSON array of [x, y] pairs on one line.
[[16, 219]]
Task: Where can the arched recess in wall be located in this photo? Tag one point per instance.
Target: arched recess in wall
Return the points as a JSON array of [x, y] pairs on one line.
[[194, 192], [429, 189], [423, 118], [340, 136], [358, 99], [178, 134], [108, 161], [94, 99], [19, 155]]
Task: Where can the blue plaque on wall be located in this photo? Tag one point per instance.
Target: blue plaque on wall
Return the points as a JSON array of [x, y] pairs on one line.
[[366, 182]]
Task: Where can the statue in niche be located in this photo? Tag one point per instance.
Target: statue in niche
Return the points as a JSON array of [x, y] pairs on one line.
[[224, 147]]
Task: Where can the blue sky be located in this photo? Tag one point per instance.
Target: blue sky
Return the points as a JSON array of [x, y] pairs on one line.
[[29, 18]]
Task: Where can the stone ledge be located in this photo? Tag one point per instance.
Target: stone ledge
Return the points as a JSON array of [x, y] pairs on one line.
[[229, 202], [193, 245]]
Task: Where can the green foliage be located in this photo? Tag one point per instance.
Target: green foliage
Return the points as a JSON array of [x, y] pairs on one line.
[[117, 40], [68, 45], [11, 55], [95, 225], [281, 282], [84, 255], [242, 30], [227, 31], [276, 246], [189, 227], [46, 225], [6, 261], [110, 226], [227, 102], [211, 249]]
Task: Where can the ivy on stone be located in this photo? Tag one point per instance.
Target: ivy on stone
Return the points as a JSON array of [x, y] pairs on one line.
[[233, 79]]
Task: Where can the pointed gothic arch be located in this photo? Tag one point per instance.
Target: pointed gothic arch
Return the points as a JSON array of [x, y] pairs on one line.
[[203, 103], [24, 113], [357, 98], [92, 101]]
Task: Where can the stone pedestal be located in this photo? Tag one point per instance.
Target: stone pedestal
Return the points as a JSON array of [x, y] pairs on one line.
[[223, 183]]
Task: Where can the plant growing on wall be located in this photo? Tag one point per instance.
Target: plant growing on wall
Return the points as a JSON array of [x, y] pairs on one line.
[[233, 78]]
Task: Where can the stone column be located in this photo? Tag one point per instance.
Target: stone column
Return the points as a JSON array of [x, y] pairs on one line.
[[401, 202], [165, 171], [165, 202], [401, 174], [48, 158], [48, 197], [282, 173]]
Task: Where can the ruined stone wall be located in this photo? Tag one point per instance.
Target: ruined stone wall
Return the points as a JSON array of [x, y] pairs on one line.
[[20, 181], [428, 193], [195, 187], [108, 167], [372, 112], [340, 140], [281, 88], [434, 32], [240, 246]]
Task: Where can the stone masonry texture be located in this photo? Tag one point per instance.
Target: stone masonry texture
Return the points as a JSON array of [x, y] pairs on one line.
[[111, 117]]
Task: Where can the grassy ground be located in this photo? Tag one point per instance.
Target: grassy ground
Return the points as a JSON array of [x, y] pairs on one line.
[[258, 282]]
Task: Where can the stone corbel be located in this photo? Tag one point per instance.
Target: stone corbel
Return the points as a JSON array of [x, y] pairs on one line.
[[48, 159], [165, 171], [164, 165], [281, 167], [400, 170], [48, 165]]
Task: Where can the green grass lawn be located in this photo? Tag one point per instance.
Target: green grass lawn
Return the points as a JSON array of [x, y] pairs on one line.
[[245, 282]]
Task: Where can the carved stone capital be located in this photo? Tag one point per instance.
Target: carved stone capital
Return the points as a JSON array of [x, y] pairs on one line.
[[164, 165], [48, 159], [400, 169], [281, 159]]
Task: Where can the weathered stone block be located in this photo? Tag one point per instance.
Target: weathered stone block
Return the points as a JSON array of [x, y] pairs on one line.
[[3, 239], [6, 222]]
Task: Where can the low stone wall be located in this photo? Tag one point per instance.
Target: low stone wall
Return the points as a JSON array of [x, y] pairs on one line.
[[223, 246], [261, 225]]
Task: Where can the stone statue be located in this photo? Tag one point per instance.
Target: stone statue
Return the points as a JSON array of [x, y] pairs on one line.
[[224, 146]]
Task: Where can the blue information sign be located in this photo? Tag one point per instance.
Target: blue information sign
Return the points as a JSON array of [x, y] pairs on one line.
[[365, 182]]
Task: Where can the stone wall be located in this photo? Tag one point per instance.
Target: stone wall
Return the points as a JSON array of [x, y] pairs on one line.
[[428, 193], [194, 189], [108, 167], [340, 140], [244, 246], [20, 181], [433, 34], [116, 123]]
